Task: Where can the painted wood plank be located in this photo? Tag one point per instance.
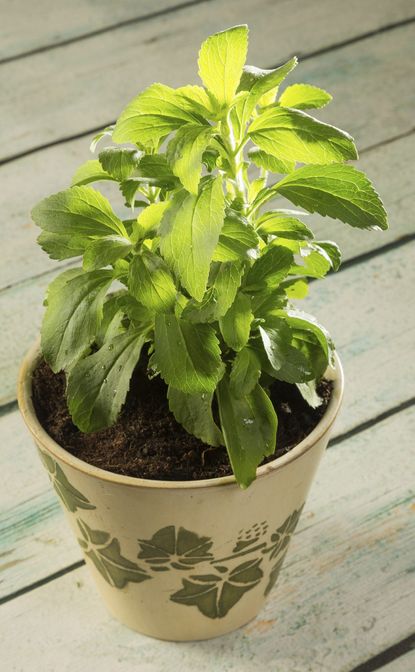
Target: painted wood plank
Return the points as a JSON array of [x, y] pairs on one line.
[[86, 84], [81, 17], [344, 594], [367, 327], [23, 29], [22, 258]]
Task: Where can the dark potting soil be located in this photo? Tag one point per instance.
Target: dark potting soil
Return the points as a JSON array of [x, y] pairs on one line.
[[147, 442]]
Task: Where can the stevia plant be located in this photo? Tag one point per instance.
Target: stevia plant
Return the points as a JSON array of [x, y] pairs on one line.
[[200, 271]]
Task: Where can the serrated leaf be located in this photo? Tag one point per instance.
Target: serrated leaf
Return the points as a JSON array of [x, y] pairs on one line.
[[80, 212], [292, 135], [245, 373], [204, 103], [338, 191], [221, 60], [149, 220], [152, 115], [151, 282], [249, 427], [90, 171], [299, 320], [105, 251], [237, 239], [194, 413], [73, 315], [98, 384], [119, 162], [187, 355], [235, 325], [106, 132], [60, 246], [218, 298], [295, 288], [316, 264], [277, 223], [270, 269], [185, 151], [190, 231], [304, 97], [332, 250], [288, 362], [269, 162], [112, 323], [259, 82]]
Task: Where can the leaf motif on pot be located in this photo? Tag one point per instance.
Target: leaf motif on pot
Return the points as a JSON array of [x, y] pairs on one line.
[[281, 537], [70, 496], [105, 553], [214, 595], [179, 549], [274, 574]]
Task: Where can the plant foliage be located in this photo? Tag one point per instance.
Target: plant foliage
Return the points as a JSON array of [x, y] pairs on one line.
[[197, 269]]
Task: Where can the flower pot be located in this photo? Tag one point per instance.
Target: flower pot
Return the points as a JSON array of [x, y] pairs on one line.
[[182, 560]]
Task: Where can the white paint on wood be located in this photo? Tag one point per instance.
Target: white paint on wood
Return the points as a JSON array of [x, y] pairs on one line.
[[344, 594], [365, 307], [86, 84]]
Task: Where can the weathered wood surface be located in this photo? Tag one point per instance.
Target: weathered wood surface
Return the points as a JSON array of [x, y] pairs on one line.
[[85, 84], [406, 663], [26, 30], [367, 327], [345, 593]]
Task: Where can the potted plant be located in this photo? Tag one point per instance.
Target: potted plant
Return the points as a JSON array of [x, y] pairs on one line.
[[189, 299]]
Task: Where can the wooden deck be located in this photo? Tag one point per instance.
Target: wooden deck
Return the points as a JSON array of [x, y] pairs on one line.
[[346, 599]]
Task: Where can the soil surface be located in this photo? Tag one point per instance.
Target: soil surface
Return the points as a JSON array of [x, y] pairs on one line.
[[147, 442]]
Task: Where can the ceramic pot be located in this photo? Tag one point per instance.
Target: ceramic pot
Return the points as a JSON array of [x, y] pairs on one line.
[[183, 560]]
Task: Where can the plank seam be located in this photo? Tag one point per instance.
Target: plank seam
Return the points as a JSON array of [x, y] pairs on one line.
[[101, 31], [42, 582], [387, 655], [334, 47]]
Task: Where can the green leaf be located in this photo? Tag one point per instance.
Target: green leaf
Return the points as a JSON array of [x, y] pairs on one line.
[[299, 320], [235, 325], [316, 264], [292, 135], [152, 115], [249, 427], [113, 318], [259, 83], [218, 298], [269, 162], [190, 231], [332, 251], [61, 246], [215, 594], [90, 171], [98, 384], [270, 269], [237, 240], [120, 163], [187, 355], [105, 251], [106, 132], [79, 211], [106, 555], [194, 413], [73, 315], [304, 97], [295, 288], [201, 100], [245, 373], [185, 152], [340, 192], [309, 393], [278, 223], [288, 362], [149, 220], [221, 60], [151, 282], [140, 317]]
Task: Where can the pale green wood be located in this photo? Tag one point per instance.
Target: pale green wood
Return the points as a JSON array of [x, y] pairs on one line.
[[54, 21], [405, 663], [23, 29], [86, 84], [365, 308], [344, 595]]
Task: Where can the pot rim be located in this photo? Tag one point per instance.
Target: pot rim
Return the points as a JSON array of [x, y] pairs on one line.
[[24, 398]]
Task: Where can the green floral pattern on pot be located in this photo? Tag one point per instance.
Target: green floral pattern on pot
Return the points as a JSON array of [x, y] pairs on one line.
[[214, 584]]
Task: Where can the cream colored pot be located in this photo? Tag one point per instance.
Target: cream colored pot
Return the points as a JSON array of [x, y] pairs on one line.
[[182, 560]]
